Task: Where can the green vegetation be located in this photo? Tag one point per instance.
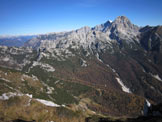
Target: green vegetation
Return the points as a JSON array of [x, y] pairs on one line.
[[40, 73], [19, 58], [4, 87], [76, 89], [61, 111], [61, 96]]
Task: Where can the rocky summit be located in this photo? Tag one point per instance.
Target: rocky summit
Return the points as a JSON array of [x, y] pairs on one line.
[[110, 72]]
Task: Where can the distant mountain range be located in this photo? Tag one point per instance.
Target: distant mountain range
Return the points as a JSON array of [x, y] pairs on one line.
[[113, 70], [17, 41]]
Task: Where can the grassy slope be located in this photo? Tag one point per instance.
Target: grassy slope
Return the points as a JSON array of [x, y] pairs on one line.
[[86, 99]]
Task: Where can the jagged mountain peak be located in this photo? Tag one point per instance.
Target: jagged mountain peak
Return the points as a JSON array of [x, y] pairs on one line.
[[123, 22], [84, 29], [103, 27], [107, 23], [120, 24], [122, 19], [120, 28]]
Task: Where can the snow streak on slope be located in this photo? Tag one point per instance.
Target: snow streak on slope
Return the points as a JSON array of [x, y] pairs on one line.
[[124, 88], [48, 103], [7, 96], [156, 77], [148, 103]]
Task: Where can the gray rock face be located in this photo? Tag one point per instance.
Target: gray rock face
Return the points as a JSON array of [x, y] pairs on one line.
[[102, 27], [123, 29], [120, 29], [16, 58]]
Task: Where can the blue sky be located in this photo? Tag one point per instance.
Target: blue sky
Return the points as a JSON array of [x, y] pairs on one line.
[[43, 16]]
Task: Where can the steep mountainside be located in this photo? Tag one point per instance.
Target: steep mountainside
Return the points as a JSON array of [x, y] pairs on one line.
[[111, 70]]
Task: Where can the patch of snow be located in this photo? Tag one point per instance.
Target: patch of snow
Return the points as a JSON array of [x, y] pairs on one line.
[[29, 95], [98, 57], [110, 21], [6, 96], [124, 88], [148, 103], [156, 77], [48, 103], [63, 105]]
